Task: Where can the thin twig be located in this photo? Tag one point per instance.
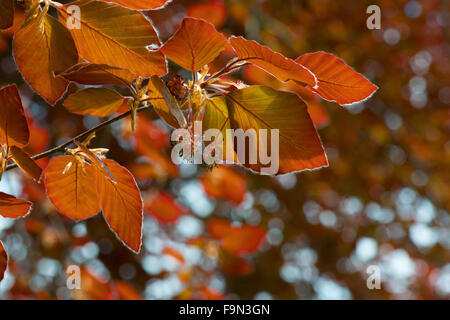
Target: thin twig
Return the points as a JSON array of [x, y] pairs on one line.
[[81, 136]]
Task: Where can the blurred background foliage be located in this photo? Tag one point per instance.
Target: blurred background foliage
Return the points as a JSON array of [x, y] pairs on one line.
[[384, 200]]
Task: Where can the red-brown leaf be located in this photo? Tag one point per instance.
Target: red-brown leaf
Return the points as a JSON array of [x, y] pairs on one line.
[[272, 62], [43, 47], [100, 102], [13, 124], [25, 163], [3, 261], [336, 80], [224, 182], [259, 107], [141, 4], [98, 74], [319, 115], [237, 239], [12, 207], [164, 207], [72, 193], [6, 13], [235, 265], [121, 204], [213, 11], [126, 291], [194, 45], [174, 253], [116, 36]]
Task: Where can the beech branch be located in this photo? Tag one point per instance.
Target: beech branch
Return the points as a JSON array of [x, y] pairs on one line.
[[81, 136]]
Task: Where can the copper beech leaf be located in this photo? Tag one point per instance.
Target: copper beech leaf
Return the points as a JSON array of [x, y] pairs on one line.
[[336, 80], [260, 107], [25, 163], [224, 182], [6, 13], [272, 62], [237, 240], [319, 115], [194, 45], [174, 253], [43, 47], [71, 189], [160, 161], [213, 11], [13, 124], [163, 207], [98, 74], [3, 261], [121, 203], [316, 110], [12, 207], [216, 117], [126, 291], [165, 103], [236, 265], [93, 286], [116, 36], [100, 102], [141, 4]]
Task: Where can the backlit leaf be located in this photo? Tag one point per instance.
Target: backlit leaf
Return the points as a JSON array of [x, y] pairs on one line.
[[3, 261], [93, 287], [100, 102], [237, 239], [235, 265], [116, 36], [216, 117], [207, 293], [274, 63], [141, 4], [121, 204], [316, 110], [13, 124], [260, 107], [43, 47], [319, 115], [336, 80], [194, 45], [71, 191], [25, 163], [98, 74], [12, 207], [213, 11], [164, 207], [174, 253], [219, 228], [152, 132], [126, 291], [224, 182], [161, 164], [6, 13]]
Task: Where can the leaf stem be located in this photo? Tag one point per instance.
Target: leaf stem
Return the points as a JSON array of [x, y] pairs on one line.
[[81, 136]]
